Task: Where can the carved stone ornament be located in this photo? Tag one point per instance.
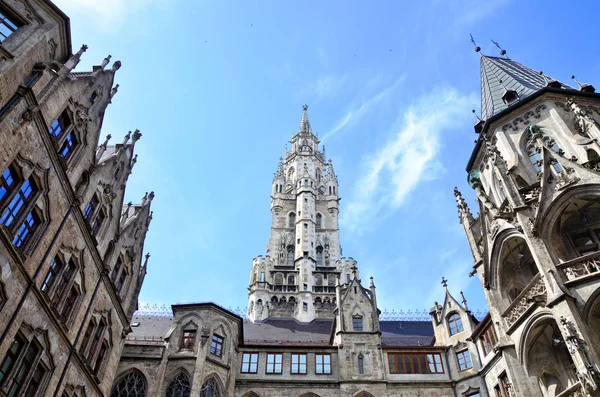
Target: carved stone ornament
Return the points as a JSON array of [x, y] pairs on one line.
[[534, 295], [525, 120]]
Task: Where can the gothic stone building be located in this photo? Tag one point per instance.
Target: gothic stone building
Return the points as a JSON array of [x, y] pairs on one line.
[[71, 259], [71, 255]]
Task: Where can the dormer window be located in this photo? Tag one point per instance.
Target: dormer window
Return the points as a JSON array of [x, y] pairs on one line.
[[510, 97], [357, 323], [455, 324], [187, 340]]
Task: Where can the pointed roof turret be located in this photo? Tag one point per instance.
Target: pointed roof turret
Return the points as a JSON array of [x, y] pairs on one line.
[[304, 123], [500, 76]]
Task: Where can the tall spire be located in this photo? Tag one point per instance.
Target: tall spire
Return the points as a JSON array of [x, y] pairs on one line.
[[501, 75], [305, 124]]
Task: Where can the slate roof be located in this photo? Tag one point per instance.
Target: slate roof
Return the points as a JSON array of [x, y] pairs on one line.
[[152, 328], [514, 76], [406, 333], [287, 331]]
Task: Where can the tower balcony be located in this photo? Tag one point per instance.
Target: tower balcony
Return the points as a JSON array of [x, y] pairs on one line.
[[273, 287], [581, 269]]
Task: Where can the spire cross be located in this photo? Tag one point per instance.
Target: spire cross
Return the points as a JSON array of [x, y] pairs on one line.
[[477, 48], [444, 283], [305, 107]]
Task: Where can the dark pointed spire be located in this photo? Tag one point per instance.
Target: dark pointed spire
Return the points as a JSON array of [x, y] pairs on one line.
[[500, 76], [304, 123]]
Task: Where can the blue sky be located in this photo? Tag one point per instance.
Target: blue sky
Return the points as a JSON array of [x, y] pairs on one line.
[[217, 87]]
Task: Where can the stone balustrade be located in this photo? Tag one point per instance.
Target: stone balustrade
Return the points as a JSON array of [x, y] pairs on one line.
[[581, 267], [532, 294]]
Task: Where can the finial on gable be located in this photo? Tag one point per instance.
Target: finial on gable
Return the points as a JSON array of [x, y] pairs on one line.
[[444, 283], [584, 87], [113, 91], [464, 301], [116, 66], [126, 138]]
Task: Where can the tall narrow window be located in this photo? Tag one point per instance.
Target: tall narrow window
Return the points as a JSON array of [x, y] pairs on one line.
[[319, 221], [488, 340], [63, 284], [97, 222], [357, 323], [290, 255], [90, 208], [216, 346], [116, 270], [121, 280], [68, 145], [36, 380], [24, 370], [26, 229], [98, 335], [87, 337], [11, 357], [292, 219], [262, 277], [7, 25], [319, 256], [274, 363], [455, 323], [322, 364], [100, 358], [55, 268], [298, 364], [19, 203], [67, 309], [361, 365], [8, 182], [249, 363]]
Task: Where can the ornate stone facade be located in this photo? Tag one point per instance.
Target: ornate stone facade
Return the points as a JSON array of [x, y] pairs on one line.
[[71, 253]]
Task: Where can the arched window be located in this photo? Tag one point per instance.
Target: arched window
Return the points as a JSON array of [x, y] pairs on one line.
[[278, 279], [132, 384], [361, 364], [290, 255], [292, 219], [210, 389], [291, 280], [534, 152], [319, 255], [179, 386], [318, 280], [331, 280], [455, 324], [319, 221], [291, 174]]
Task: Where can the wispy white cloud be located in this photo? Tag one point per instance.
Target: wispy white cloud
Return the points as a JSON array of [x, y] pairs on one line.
[[362, 106], [408, 158], [324, 87]]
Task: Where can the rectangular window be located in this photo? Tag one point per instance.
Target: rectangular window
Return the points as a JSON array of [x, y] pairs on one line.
[[488, 340], [216, 346], [60, 125], [7, 183], [97, 223], [415, 363], [361, 366], [497, 391], [298, 364], [323, 364], [357, 323], [464, 360], [262, 277], [63, 284], [67, 147], [36, 380], [274, 363], [26, 229], [55, 269], [304, 306], [121, 281], [87, 337], [505, 385], [25, 368], [249, 363], [18, 203], [116, 269], [7, 26], [187, 340], [65, 313], [11, 357], [90, 208], [96, 341], [100, 358]]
